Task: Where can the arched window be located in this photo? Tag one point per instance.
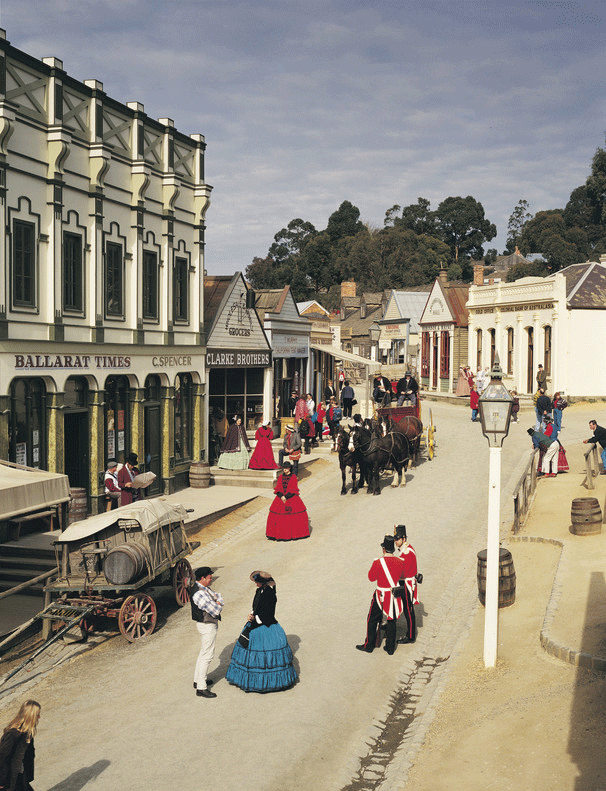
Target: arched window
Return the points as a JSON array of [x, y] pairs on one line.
[[493, 347], [478, 349], [510, 350], [27, 431], [547, 358]]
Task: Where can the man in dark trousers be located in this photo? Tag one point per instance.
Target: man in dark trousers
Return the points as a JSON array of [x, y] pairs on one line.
[[543, 407], [381, 390], [599, 435], [408, 582], [407, 389], [385, 571], [542, 378], [206, 606]]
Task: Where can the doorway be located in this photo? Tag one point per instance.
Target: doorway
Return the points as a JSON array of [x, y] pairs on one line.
[[152, 433], [530, 377], [75, 442], [434, 377]]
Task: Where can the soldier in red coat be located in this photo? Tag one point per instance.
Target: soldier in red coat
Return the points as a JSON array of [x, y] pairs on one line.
[[408, 582], [385, 571]]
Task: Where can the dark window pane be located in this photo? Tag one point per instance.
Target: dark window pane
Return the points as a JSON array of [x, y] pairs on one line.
[[113, 280], [180, 289], [72, 272], [150, 285], [216, 382], [235, 380], [24, 263], [254, 381]]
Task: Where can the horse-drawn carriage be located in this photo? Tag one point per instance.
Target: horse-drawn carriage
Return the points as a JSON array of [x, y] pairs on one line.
[[407, 419]]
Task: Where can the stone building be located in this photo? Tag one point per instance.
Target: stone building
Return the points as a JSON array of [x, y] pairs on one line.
[[101, 300]]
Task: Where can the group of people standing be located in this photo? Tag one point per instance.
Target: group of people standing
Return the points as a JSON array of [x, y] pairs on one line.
[[548, 424]]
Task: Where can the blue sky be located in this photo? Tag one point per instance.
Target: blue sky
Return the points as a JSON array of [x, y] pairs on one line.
[[306, 104]]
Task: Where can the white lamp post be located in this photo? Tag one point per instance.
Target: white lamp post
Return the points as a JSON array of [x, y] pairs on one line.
[[495, 413], [374, 333]]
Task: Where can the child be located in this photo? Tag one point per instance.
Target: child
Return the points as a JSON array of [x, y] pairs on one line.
[[474, 403], [321, 414], [516, 406]]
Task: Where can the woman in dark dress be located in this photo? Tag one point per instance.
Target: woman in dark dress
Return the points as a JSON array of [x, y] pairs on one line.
[[287, 519], [235, 453], [263, 455], [266, 664], [17, 748]]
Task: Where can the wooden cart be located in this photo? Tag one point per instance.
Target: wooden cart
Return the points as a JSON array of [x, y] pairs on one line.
[[106, 562], [397, 414]]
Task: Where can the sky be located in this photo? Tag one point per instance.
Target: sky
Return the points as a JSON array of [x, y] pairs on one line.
[[307, 103]]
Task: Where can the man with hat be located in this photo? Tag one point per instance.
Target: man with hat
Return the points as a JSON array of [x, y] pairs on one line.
[[408, 581], [291, 448], [385, 571], [112, 490], [206, 606], [407, 389], [126, 477]]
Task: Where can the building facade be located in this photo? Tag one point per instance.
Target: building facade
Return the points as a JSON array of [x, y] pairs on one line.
[[101, 308]]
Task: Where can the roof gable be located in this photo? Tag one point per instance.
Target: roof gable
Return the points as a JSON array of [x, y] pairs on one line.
[[230, 324]]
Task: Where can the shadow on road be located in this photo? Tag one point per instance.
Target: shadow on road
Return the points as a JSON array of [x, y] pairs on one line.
[[81, 777]]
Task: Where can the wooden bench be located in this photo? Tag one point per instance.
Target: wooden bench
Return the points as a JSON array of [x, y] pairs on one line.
[[15, 524]]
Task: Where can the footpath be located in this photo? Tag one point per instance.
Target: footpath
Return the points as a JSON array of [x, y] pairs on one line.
[[536, 720]]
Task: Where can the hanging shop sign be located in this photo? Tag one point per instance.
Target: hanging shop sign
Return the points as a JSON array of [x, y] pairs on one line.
[[230, 358]]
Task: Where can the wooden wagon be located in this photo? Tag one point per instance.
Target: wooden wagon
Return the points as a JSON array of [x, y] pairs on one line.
[[397, 415], [106, 562]]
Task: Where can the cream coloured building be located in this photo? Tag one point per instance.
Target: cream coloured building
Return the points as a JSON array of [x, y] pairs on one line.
[[101, 300], [557, 321]]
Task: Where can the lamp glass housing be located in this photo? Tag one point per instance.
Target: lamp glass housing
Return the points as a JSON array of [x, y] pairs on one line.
[[496, 405], [374, 332]]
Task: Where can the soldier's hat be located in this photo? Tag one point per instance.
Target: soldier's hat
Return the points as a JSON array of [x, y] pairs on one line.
[[399, 531], [388, 544]]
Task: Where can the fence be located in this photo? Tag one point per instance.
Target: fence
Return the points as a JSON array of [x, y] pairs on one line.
[[524, 492]]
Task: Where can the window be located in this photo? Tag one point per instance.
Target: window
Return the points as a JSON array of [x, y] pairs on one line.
[[27, 423], [113, 280], [478, 349], [510, 350], [181, 289], [547, 361], [445, 355], [150, 285], [183, 417], [493, 347], [72, 272], [425, 344], [24, 264]]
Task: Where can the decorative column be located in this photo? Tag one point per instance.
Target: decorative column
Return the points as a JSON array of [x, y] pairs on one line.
[[137, 396], [96, 417], [200, 423], [518, 357], [451, 365], [168, 438], [55, 444]]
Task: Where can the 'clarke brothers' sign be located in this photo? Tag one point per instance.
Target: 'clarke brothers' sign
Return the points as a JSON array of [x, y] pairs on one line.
[[229, 358]]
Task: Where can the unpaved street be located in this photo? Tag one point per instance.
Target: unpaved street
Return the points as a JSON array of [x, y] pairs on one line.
[[126, 716]]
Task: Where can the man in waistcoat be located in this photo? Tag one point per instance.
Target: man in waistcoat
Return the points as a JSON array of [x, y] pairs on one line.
[[206, 606]]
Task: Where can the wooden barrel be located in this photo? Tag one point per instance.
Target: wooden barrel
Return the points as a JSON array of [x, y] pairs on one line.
[[78, 505], [507, 577], [199, 475], [586, 516], [125, 563]]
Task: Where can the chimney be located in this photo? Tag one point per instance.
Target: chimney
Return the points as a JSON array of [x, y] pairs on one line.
[[348, 288], [478, 274], [517, 252], [443, 276]]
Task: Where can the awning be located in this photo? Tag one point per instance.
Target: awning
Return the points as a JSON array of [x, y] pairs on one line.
[[24, 490], [150, 514], [339, 354]]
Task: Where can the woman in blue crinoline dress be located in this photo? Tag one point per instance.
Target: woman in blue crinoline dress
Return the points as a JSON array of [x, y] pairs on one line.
[[266, 665]]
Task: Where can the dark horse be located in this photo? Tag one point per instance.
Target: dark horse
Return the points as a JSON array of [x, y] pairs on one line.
[[378, 452], [412, 428], [349, 456]]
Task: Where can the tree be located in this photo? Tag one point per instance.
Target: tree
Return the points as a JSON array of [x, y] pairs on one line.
[[517, 220], [345, 221], [418, 218], [462, 225], [548, 235]]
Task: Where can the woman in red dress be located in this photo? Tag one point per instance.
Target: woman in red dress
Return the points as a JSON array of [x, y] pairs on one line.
[[263, 455], [287, 519]]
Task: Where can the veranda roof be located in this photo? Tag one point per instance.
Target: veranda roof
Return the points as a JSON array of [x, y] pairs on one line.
[[24, 490]]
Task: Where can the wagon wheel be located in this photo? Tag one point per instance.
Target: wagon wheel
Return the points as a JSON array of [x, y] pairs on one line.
[[183, 578], [137, 617], [430, 439]]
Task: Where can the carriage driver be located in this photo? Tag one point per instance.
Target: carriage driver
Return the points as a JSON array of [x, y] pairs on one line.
[[408, 581], [407, 388]]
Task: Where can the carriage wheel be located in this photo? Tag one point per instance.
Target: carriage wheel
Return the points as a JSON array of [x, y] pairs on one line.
[[137, 617], [430, 442], [183, 578]]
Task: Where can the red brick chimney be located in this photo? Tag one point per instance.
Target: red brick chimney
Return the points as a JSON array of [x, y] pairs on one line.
[[478, 274], [348, 288]]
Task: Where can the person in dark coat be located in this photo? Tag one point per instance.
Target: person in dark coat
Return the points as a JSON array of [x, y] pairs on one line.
[[407, 388], [266, 665], [543, 406], [125, 480], [381, 390], [17, 751], [329, 391], [599, 435]]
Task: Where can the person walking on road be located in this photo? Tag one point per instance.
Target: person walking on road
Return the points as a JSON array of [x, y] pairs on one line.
[[206, 606], [17, 751], [347, 398], [287, 519], [262, 660], [408, 582], [599, 435], [543, 408], [385, 571]]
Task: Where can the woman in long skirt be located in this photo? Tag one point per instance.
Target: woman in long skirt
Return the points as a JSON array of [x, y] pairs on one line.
[[236, 449], [266, 664], [287, 519], [263, 455]]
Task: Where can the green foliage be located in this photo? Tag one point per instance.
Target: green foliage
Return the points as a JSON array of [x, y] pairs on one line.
[[547, 234], [518, 219], [462, 225], [532, 269]]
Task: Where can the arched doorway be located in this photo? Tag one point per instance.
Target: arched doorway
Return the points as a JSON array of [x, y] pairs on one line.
[[76, 432], [152, 432], [27, 428]]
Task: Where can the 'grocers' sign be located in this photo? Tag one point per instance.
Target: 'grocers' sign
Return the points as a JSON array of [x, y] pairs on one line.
[[229, 358]]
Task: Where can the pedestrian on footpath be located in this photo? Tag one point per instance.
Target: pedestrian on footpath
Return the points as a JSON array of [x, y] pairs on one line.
[[206, 606], [599, 435], [542, 378], [17, 751], [550, 447], [385, 571], [516, 406], [408, 582], [474, 403], [112, 490], [262, 659]]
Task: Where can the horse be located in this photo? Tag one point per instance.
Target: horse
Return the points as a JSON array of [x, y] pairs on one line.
[[378, 452], [349, 457], [412, 428]]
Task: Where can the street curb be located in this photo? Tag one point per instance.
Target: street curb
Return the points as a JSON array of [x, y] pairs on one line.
[[597, 664]]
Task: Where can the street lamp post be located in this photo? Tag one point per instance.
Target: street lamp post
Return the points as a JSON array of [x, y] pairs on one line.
[[495, 413], [374, 333]]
